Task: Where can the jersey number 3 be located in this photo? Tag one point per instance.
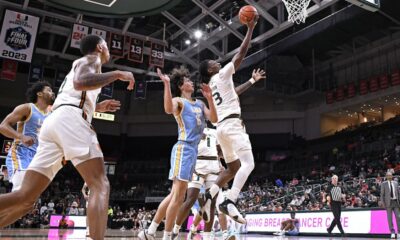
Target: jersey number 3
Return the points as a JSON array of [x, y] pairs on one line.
[[217, 98]]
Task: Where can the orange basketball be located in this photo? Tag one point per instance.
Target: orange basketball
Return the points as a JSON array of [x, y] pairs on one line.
[[247, 14]]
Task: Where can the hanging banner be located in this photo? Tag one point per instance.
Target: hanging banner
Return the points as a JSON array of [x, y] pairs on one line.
[[395, 79], [35, 73], [136, 50], [18, 35], [157, 55], [351, 90], [363, 87], [141, 87], [373, 84], [108, 90], [384, 81], [340, 94], [78, 32], [117, 45], [100, 33], [329, 97], [9, 70]]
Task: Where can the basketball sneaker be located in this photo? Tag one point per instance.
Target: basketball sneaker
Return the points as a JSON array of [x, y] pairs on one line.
[[229, 208], [143, 235], [174, 236], [228, 236]]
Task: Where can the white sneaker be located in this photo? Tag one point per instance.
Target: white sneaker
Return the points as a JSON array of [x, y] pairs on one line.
[[228, 236], [205, 203], [393, 236], [143, 235], [229, 208], [279, 233]]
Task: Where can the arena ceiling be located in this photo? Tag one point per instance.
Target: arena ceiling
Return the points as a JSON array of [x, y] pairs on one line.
[[333, 27]]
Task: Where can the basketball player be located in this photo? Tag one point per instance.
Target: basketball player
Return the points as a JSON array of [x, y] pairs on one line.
[[207, 169], [231, 134], [190, 115], [29, 118], [68, 132]]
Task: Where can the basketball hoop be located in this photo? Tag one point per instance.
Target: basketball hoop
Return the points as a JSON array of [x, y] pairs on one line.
[[297, 10]]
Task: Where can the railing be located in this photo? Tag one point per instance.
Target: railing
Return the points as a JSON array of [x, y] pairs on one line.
[[315, 189]]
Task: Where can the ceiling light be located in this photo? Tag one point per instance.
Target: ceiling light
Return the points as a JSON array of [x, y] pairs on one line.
[[198, 34], [187, 42]]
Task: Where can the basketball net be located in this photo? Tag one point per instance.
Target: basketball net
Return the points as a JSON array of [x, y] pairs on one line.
[[297, 10]]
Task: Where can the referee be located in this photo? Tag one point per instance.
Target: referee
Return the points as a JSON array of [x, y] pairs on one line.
[[334, 197]]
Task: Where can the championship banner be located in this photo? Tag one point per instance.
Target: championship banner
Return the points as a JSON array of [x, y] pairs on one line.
[[384, 81], [351, 90], [78, 32], [136, 50], [329, 96], [6, 146], [141, 87], [18, 35], [157, 55], [363, 87], [100, 33], [9, 70], [117, 45], [340, 94], [35, 73], [373, 85], [108, 90], [60, 77], [395, 79]]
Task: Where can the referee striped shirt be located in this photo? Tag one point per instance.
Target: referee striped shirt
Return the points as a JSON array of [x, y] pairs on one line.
[[335, 192]]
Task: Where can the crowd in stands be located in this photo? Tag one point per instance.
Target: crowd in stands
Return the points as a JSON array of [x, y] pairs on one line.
[[360, 157]]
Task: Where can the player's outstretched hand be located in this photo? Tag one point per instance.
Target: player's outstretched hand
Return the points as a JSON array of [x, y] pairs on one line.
[[253, 23], [164, 77], [206, 91], [127, 77], [258, 74], [110, 105]]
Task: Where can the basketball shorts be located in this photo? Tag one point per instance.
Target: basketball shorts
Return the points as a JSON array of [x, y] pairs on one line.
[[232, 137], [65, 133], [18, 158], [17, 179], [183, 161], [199, 180]]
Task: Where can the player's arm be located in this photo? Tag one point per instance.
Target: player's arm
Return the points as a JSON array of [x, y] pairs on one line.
[[109, 105], [20, 113], [210, 113], [238, 58], [171, 105], [255, 77], [86, 76]]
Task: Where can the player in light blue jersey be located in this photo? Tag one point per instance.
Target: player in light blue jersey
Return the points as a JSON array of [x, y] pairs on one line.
[[29, 118], [190, 115]]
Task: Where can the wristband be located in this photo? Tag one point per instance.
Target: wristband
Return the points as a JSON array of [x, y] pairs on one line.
[[252, 81]]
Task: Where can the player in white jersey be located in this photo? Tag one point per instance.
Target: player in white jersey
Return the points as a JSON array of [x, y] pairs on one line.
[[67, 132], [207, 170], [231, 133]]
